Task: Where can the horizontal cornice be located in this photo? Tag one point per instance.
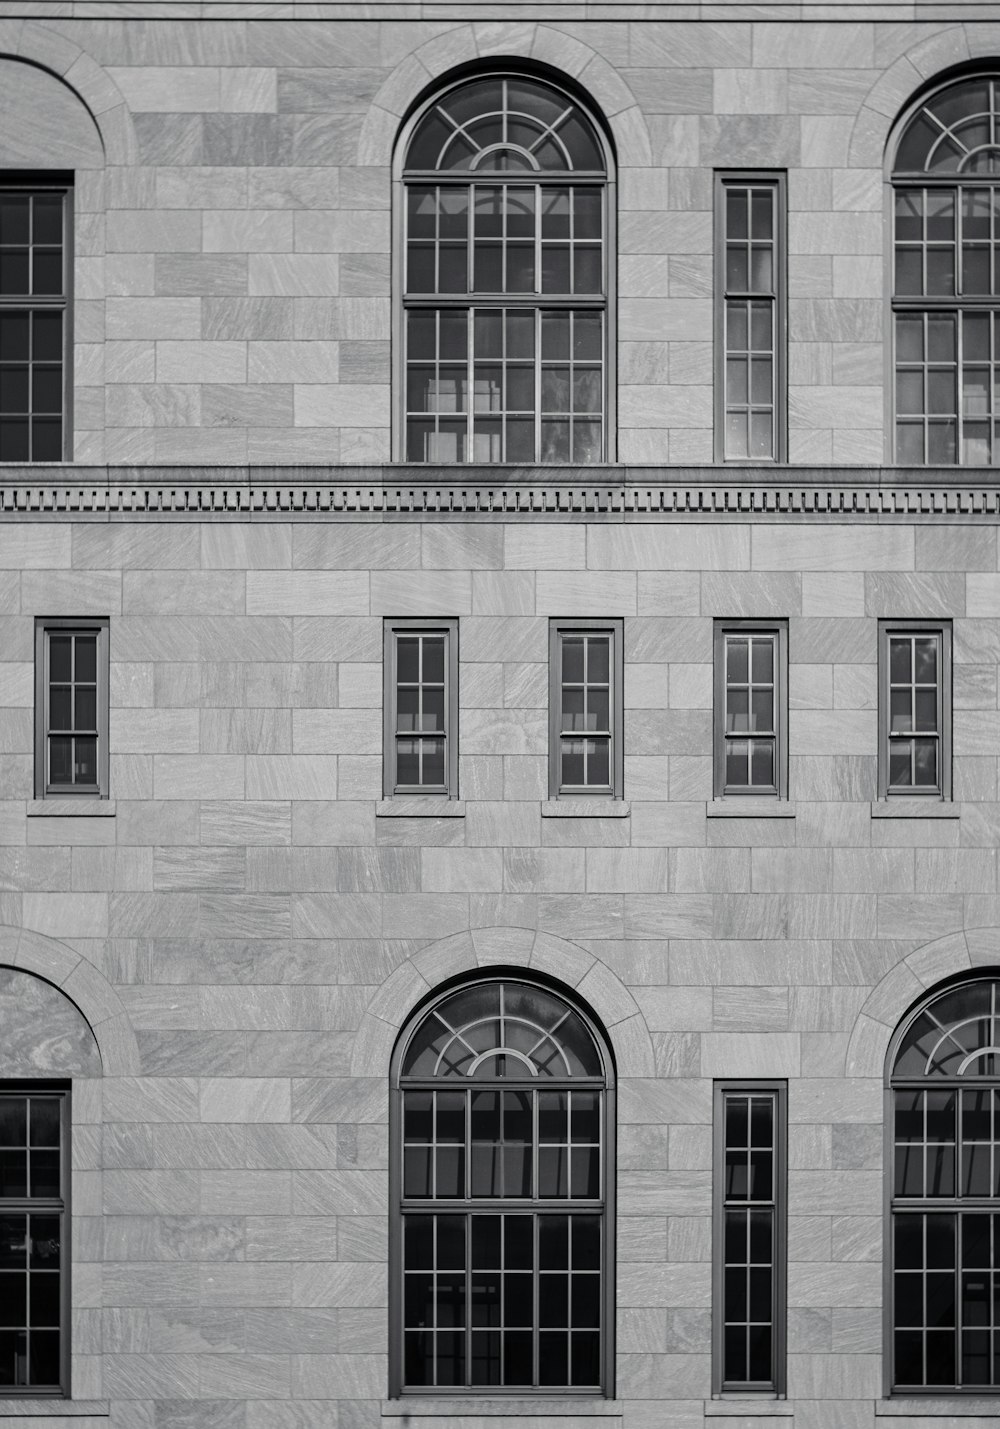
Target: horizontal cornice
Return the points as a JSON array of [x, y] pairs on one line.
[[610, 493]]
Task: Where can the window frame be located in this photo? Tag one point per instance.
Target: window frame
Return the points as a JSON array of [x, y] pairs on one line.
[[608, 1083], [777, 1089], [45, 627], [942, 629], [778, 630], [471, 300], [777, 181], [900, 180], [60, 1206], [32, 182], [447, 626], [615, 628], [926, 1205]]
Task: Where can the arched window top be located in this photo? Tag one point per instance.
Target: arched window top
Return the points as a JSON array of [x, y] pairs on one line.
[[955, 1035], [955, 131], [502, 123], [502, 1030]]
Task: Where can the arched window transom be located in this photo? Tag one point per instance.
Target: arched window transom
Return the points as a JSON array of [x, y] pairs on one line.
[[945, 1084], [946, 285], [502, 1154], [505, 283]]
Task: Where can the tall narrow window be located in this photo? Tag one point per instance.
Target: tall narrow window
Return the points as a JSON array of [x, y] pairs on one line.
[[914, 708], [34, 288], [421, 707], [945, 1214], [34, 1135], [946, 286], [71, 708], [751, 708], [585, 708], [502, 1236], [750, 327], [749, 1330], [506, 274]]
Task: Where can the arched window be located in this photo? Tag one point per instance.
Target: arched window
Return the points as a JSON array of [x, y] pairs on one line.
[[945, 1089], [946, 285], [505, 277], [501, 1242]]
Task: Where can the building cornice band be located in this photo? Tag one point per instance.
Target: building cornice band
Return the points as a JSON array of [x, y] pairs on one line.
[[602, 493]]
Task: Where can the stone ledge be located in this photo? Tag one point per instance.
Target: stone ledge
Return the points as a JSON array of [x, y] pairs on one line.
[[52, 1408], [955, 1406], [437, 1406], [69, 809], [420, 808], [915, 809], [736, 808], [586, 809]]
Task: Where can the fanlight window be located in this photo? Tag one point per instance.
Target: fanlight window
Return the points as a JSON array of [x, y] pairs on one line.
[[501, 1145], [946, 287], [505, 286], [946, 1193]]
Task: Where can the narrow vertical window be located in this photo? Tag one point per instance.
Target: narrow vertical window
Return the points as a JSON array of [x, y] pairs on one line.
[[33, 1261], [585, 708], [914, 708], [421, 707], [750, 325], [749, 1333], [751, 708], [505, 277], [71, 704], [34, 287]]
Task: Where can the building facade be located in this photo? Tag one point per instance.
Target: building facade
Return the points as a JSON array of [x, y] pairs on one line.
[[499, 722]]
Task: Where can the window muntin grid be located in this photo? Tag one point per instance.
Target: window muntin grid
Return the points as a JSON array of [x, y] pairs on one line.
[[421, 710], [513, 368], [946, 284], [33, 299], [749, 1228], [752, 259], [751, 669], [946, 1193], [502, 1194], [914, 678], [32, 1256], [72, 710], [586, 665]]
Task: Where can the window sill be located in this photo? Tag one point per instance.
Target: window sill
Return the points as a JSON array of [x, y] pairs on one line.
[[70, 809], [951, 1406], [430, 806], [749, 1405], [915, 809], [586, 809], [750, 808], [556, 1406], [51, 1407]]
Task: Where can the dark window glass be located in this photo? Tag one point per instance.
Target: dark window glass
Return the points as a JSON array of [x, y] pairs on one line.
[[748, 1234], [32, 316], [750, 294], [502, 1122], [73, 696], [32, 1266]]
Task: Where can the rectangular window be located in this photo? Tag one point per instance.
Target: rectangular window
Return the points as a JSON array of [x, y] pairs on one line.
[[914, 708], [749, 1236], [585, 708], [421, 707], [751, 708], [35, 267], [71, 708], [750, 317], [34, 1177]]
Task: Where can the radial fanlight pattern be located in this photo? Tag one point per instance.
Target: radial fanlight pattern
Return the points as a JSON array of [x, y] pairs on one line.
[[505, 1030], [956, 131], [504, 123], [956, 1035]]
